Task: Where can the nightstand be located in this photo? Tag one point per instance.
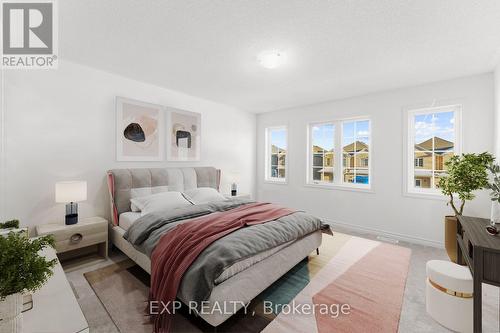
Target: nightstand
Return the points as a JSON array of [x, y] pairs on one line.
[[238, 196], [87, 232]]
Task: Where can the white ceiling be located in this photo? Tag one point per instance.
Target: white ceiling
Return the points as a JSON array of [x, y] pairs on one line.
[[335, 49]]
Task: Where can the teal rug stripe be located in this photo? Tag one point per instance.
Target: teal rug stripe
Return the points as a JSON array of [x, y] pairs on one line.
[[287, 287]]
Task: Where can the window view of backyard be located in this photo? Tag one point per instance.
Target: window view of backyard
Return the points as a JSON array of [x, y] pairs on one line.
[[278, 148], [355, 151], [434, 137]]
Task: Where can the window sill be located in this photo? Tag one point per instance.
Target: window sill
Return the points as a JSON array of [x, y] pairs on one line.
[[428, 196], [353, 188], [275, 182]]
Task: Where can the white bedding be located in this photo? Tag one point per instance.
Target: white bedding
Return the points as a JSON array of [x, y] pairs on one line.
[[127, 219]]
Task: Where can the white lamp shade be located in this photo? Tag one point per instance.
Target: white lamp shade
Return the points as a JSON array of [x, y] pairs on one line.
[[73, 191], [233, 176]]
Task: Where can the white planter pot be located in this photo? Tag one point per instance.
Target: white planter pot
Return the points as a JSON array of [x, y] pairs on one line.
[[495, 212], [11, 318]]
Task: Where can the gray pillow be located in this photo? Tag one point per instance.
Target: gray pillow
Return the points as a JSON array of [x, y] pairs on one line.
[[144, 192], [202, 195], [160, 201]]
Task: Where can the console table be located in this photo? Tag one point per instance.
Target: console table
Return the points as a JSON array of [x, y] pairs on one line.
[[481, 252], [55, 308]]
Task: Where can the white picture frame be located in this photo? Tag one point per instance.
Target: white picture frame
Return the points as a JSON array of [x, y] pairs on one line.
[[183, 135], [140, 130]]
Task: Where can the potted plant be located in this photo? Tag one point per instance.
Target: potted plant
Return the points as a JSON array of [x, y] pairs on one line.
[[12, 224], [465, 174], [22, 269], [494, 186]]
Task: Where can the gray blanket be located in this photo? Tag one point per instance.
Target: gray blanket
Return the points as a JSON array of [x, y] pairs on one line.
[[198, 281]]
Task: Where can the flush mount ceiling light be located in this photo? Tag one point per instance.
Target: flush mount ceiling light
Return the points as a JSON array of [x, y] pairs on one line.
[[271, 59]]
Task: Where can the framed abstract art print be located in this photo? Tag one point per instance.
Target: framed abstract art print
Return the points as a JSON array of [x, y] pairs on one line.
[[140, 133], [183, 135]]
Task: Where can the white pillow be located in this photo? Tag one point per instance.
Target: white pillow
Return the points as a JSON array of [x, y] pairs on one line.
[[203, 195], [160, 201], [144, 192]]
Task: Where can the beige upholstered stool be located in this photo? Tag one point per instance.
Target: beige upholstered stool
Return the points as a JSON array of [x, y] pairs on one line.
[[449, 295]]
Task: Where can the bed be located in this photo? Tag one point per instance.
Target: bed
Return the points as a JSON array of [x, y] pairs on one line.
[[242, 281]]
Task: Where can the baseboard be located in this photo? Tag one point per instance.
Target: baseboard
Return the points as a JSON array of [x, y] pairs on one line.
[[379, 232]]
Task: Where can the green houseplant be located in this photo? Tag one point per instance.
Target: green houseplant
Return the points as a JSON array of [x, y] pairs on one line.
[[22, 269], [10, 224], [494, 186], [466, 173]]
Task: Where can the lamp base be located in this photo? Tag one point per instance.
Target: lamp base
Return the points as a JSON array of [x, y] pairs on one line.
[[71, 213], [71, 219]]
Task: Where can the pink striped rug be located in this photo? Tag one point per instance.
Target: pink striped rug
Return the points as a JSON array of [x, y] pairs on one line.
[[360, 289]]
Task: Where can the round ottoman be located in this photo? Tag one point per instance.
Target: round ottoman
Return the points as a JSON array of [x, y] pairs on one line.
[[449, 295]]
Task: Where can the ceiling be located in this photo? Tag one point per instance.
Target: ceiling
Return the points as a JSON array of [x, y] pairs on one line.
[[335, 49]]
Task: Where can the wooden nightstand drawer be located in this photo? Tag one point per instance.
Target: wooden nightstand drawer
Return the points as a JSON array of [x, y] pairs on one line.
[[78, 240], [65, 234], [86, 232]]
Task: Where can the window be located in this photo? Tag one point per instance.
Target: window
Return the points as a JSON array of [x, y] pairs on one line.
[[322, 155], [354, 138], [356, 152], [433, 138], [276, 154]]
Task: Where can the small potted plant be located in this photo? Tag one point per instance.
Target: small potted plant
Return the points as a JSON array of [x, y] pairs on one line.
[[22, 269], [12, 224], [494, 186], [465, 174]]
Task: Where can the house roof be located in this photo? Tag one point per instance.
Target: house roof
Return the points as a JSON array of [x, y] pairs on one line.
[[439, 144], [360, 146], [317, 149], [276, 149]]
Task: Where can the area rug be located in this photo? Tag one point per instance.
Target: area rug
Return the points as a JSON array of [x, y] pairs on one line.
[[353, 285]]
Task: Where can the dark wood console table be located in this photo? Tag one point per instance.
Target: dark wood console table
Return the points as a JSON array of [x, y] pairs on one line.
[[481, 252]]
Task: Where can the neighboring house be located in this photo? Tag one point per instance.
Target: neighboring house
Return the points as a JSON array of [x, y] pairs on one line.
[[355, 161], [278, 159], [426, 166], [323, 161]]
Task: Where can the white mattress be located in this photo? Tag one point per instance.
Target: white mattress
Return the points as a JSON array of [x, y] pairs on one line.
[[127, 219]]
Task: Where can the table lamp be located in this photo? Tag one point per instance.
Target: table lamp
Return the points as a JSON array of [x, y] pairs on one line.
[[233, 179], [70, 193]]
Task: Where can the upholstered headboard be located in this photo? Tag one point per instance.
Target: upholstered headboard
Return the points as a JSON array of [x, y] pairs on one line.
[[121, 181]]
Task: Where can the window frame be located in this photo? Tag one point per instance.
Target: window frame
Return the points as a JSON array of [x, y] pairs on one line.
[[338, 166], [370, 148], [310, 154], [268, 178], [410, 186]]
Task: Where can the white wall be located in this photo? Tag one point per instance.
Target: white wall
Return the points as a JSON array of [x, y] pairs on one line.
[[497, 111], [60, 125], [385, 209]]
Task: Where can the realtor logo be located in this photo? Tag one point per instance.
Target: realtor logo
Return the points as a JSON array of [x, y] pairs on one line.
[[29, 35]]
